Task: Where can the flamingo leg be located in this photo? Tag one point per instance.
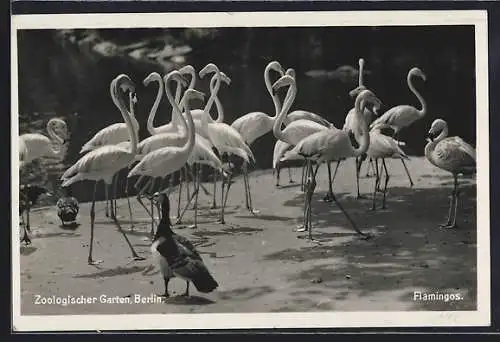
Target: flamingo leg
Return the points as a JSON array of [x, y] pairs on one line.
[[290, 180], [106, 195], [181, 180], [91, 261], [377, 180], [113, 196], [369, 167], [152, 232], [186, 293], [453, 206], [181, 215], [310, 193], [224, 198], [140, 196], [407, 172], [134, 254], [249, 194], [385, 185], [214, 201], [303, 177], [128, 201], [196, 192], [304, 226], [358, 169], [328, 197], [278, 169]]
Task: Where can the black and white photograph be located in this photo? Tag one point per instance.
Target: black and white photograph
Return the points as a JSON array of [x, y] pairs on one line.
[[250, 170]]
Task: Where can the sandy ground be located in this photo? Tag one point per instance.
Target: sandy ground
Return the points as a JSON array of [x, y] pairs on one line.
[[261, 264]]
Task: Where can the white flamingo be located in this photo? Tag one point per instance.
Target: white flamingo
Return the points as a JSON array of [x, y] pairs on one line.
[[224, 137], [254, 125], [110, 135], [330, 145], [297, 130], [350, 125], [451, 154], [104, 162], [404, 115], [280, 148], [169, 159], [35, 145]]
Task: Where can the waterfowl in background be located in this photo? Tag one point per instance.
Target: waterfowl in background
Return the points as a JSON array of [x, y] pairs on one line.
[[28, 197], [67, 207], [176, 255]]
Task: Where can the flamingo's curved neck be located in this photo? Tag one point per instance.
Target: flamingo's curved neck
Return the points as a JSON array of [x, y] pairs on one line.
[[287, 103], [176, 108], [422, 111], [276, 101], [191, 85], [361, 69], [57, 149], [127, 116], [218, 104], [188, 147], [442, 135], [364, 143], [151, 129], [213, 95], [175, 116]]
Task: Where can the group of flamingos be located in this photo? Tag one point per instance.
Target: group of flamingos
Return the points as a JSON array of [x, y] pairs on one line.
[[193, 138]]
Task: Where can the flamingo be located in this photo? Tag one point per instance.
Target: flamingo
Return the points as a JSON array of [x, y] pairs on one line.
[[169, 159], [198, 114], [297, 130], [328, 145], [254, 125], [382, 146], [170, 134], [104, 162], [404, 115], [35, 145], [451, 154], [280, 147], [110, 135], [224, 137]]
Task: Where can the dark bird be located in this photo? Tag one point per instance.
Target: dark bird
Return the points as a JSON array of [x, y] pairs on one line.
[[67, 207], [177, 256], [28, 197]]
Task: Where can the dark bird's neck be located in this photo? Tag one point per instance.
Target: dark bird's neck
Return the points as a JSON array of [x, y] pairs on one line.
[[168, 248]]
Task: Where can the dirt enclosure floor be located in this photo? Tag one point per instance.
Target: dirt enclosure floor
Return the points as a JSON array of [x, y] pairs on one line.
[[260, 262]]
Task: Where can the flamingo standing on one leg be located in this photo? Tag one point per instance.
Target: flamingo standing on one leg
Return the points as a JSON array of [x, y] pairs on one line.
[[451, 154], [328, 145], [104, 162]]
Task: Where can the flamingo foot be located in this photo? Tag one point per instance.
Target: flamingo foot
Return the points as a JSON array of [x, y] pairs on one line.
[[254, 211], [327, 199], [213, 206], [94, 262], [138, 258], [361, 197], [448, 225], [193, 226], [301, 228], [221, 221], [364, 236]]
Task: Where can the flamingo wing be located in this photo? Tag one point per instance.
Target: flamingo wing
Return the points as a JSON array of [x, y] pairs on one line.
[[454, 155], [279, 150], [298, 130], [253, 125], [106, 160], [397, 117], [226, 139], [111, 135], [160, 162], [158, 141], [331, 144], [305, 115], [203, 154]]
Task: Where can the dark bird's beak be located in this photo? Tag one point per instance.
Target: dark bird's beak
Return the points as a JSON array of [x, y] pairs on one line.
[[429, 137]]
